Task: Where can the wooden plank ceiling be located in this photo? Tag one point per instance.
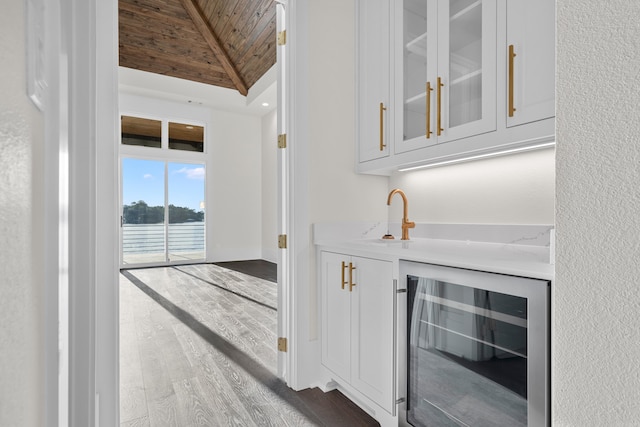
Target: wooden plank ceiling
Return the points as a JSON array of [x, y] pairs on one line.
[[227, 43]]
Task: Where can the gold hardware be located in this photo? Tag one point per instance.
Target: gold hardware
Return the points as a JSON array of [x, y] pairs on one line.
[[429, 89], [282, 140], [382, 110], [351, 284], [439, 96], [343, 267], [282, 344], [282, 37], [282, 241], [512, 55], [406, 224]]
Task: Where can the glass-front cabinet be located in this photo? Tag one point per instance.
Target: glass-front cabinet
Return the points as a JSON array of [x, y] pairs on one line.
[[449, 80], [445, 86]]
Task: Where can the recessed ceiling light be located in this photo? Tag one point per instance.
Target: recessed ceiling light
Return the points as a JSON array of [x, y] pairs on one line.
[[189, 127], [265, 104]]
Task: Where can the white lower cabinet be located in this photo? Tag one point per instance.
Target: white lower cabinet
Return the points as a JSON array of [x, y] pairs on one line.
[[358, 328]]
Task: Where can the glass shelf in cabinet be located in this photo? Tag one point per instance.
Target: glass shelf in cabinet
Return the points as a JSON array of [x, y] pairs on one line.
[[466, 77], [464, 9], [418, 45]]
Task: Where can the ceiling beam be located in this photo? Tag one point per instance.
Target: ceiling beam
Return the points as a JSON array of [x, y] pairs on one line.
[[202, 24]]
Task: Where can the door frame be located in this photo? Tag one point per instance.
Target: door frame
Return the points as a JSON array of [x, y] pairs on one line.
[[81, 125]]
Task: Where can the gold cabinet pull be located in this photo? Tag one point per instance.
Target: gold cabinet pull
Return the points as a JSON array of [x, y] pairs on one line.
[[439, 100], [429, 89], [343, 267], [351, 268], [382, 110], [512, 55]]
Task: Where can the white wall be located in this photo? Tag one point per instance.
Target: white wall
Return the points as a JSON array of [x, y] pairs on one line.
[[234, 173], [335, 191], [515, 189], [269, 187], [235, 199], [21, 230], [596, 303]]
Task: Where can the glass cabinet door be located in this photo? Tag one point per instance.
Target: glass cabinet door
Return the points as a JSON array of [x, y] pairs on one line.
[[467, 67], [415, 48], [465, 62], [445, 71]]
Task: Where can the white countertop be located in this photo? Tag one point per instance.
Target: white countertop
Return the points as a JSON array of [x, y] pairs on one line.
[[526, 260]]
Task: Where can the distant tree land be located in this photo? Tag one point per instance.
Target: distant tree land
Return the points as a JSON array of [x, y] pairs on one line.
[[141, 213]]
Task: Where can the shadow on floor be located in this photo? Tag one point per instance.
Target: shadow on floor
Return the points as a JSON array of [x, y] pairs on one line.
[[322, 409], [256, 267]]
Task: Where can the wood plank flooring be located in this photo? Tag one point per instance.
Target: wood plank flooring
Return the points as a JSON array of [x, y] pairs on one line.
[[197, 348]]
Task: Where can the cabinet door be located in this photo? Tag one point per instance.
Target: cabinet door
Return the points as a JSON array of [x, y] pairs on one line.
[[531, 32], [445, 80], [466, 68], [373, 79], [372, 333], [336, 317], [415, 42]]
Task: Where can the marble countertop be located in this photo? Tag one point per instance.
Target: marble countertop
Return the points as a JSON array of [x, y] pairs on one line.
[[515, 250]]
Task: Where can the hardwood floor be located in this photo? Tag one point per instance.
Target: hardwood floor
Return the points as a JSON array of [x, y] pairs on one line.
[[197, 347]]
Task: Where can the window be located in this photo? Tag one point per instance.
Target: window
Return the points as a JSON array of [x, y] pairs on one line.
[[163, 196], [142, 132], [186, 137]]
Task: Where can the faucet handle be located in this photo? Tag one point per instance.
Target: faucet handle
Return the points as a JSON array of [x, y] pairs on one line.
[[409, 224]]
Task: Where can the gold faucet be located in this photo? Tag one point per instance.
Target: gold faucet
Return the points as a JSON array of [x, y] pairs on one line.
[[406, 224]]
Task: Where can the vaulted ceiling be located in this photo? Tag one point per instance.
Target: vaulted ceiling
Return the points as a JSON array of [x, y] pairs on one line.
[[227, 43]]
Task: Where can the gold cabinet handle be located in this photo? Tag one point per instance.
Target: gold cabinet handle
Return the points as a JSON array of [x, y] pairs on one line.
[[343, 267], [382, 110], [351, 284], [439, 100], [429, 89], [512, 55]]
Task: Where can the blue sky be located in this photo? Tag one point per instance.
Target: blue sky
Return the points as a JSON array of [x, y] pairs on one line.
[[144, 180]]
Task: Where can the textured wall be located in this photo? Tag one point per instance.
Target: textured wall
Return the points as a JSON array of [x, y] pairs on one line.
[[596, 302], [21, 226]]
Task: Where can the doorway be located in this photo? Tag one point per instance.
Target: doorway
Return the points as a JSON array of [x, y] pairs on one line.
[[90, 34]]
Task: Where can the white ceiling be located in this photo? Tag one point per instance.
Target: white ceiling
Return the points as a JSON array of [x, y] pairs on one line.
[[170, 88]]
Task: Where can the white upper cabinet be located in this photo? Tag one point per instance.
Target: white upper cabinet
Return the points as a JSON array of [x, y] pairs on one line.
[[442, 80], [373, 79], [531, 61], [445, 71]]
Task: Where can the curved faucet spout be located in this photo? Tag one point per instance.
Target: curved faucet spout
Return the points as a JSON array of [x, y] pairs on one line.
[[406, 224]]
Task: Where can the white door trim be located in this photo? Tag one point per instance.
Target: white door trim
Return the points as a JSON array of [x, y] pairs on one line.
[[81, 262], [304, 353], [282, 193]]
